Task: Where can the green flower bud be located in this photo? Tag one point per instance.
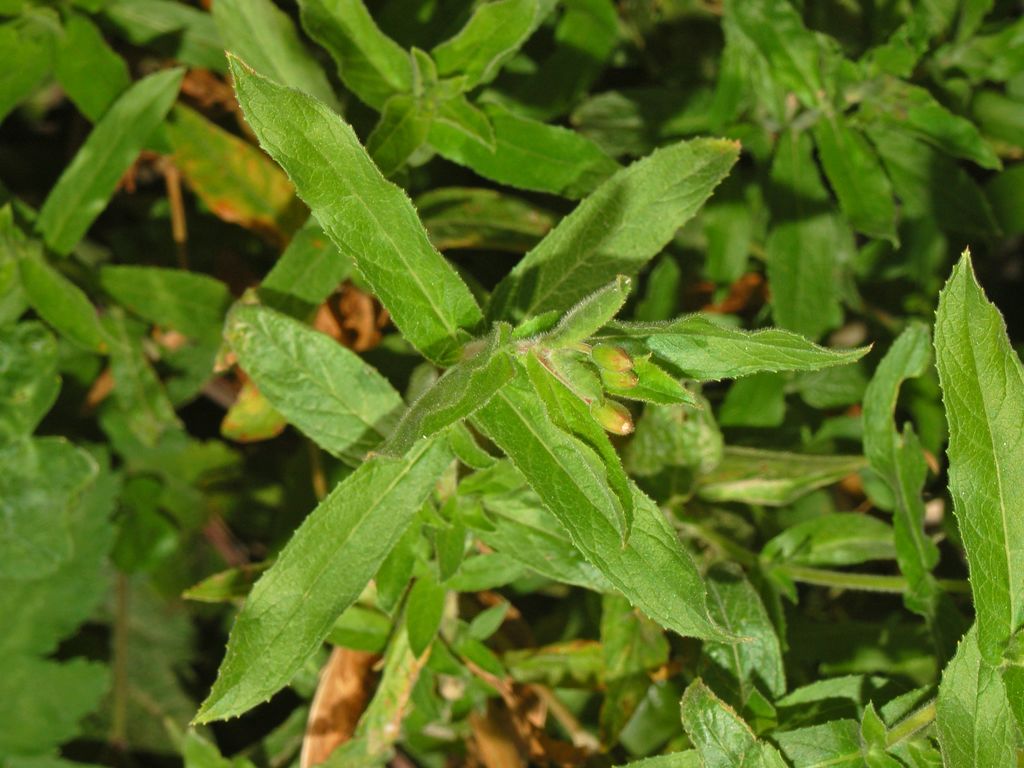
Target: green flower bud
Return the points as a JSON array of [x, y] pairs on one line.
[[612, 416], [619, 379], [611, 358]]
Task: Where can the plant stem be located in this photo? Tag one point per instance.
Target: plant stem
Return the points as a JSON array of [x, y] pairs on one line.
[[867, 582], [911, 724]]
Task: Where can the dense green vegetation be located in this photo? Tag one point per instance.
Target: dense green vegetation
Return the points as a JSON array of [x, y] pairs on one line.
[[514, 382]]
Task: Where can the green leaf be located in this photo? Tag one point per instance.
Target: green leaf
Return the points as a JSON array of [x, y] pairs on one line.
[[586, 33], [263, 35], [527, 154], [192, 303], [653, 385], [459, 393], [973, 716], [321, 387], [569, 413], [493, 34], [367, 216], [652, 570], [41, 483], [28, 378], [586, 318], [177, 30], [835, 744], [617, 229], [41, 701], [319, 573], [41, 612], [833, 539], [688, 759], [932, 186], [806, 243], [88, 69], [361, 629], [773, 478], [403, 128], [226, 586], [702, 349], [467, 217], [792, 52], [61, 303], [28, 45], [518, 526], [721, 737], [308, 271], [741, 671], [912, 109], [370, 64], [237, 182], [423, 613], [456, 116], [899, 459], [756, 401], [89, 181], [982, 383], [856, 176]]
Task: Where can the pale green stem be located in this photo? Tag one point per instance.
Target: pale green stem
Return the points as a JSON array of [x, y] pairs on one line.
[[911, 724]]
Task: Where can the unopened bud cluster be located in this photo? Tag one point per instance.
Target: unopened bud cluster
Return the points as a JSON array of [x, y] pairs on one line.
[[615, 367]]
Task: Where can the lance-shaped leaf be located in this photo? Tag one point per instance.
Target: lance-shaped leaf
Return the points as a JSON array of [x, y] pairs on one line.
[[89, 181], [493, 34], [28, 44], [856, 175], [237, 182], [835, 744], [834, 539], [617, 229], [370, 64], [88, 69], [468, 217], [173, 29], [975, 723], [319, 573], [60, 302], [983, 391], [899, 459], [527, 154], [652, 570], [366, 215], [773, 478], [518, 525], [570, 413], [807, 241], [720, 735], [192, 303], [460, 392], [741, 671], [403, 128], [586, 318], [321, 387], [264, 35], [702, 349]]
